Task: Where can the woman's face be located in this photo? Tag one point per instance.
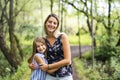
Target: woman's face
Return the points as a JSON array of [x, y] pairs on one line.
[[51, 25]]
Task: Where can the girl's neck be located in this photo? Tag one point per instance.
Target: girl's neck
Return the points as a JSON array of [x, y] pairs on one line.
[[40, 52]]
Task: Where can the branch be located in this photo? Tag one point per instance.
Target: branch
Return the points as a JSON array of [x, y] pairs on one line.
[[3, 15], [103, 21], [75, 7], [21, 8]]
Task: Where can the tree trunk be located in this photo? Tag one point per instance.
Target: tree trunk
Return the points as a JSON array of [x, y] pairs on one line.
[[11, 34], [109, 21], [9, 54], [11, 58], [51, 6], [19, 47], [118, 43], [61, 28], [41, 10]]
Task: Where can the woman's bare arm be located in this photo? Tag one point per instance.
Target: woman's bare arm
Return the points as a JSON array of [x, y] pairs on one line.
[[52, 70], [41, 63], [67, 55]]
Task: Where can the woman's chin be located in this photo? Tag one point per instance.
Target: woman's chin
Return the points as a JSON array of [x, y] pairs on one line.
[[51, 31]]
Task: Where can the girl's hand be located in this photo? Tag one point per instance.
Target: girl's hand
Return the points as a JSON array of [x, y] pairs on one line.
[[33, 66]]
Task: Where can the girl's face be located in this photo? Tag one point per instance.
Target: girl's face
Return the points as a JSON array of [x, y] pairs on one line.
[[40, 47], [51, 24]]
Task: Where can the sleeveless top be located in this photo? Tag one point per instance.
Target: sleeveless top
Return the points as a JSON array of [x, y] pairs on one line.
[[38, 74], [55, 54]]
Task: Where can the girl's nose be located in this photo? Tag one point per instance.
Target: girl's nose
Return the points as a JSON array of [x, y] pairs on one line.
[[40, 47]]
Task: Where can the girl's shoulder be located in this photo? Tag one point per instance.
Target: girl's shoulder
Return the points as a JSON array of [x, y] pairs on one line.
[[39, 54]]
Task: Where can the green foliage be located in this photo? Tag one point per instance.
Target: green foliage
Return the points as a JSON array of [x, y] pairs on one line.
[[87, 55], [115, 64], [85, 72], [99, 72], [107, 47], [4, 66], [104, 53], [29, 23], [22, 73]]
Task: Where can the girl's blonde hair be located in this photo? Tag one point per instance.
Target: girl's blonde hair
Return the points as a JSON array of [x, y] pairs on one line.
[[37, 39]]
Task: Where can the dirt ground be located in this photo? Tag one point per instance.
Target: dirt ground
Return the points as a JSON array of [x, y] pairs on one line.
[[75, 52]]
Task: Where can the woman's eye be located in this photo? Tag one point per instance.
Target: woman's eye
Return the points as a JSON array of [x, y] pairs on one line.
[[50, 21], [55, 23]]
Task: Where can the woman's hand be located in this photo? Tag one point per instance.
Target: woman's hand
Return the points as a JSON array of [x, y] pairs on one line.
[[33, 66], [44, 67]]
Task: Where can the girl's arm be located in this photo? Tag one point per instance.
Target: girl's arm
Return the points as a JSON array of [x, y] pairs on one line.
[[67, 55], [39, 60]]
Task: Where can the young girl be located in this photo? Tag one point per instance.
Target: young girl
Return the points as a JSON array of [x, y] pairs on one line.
[[38, 58]]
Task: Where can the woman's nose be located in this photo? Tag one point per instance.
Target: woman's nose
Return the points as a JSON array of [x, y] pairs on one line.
[[52, 23]]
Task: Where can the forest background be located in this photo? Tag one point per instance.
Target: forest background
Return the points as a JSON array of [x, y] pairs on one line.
[[94, 23]]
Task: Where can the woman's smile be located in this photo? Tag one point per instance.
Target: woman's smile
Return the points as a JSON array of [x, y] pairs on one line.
[[51, 28]]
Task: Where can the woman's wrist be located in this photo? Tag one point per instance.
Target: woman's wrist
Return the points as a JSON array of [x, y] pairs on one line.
[[48, 67]]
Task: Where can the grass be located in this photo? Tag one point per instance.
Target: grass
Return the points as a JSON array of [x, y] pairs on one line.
[[23, 71], [81, 70], [26, 76], [84, 71]]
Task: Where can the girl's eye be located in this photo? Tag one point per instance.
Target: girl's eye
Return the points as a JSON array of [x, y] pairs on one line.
[[37, 46]]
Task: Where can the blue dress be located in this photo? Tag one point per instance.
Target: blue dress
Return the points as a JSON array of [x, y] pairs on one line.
[[38, 74]]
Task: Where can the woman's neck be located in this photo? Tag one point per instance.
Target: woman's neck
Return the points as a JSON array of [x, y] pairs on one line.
[[50, 35]]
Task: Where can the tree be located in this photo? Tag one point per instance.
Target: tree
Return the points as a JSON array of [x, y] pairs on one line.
[[9, 52], [51, 5], [86, 11]]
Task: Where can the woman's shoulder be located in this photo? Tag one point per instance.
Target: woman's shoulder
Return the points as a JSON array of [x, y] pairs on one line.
[[64, 35]]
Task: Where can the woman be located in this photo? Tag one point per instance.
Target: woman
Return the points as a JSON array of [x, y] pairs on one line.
[[58, 51]]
